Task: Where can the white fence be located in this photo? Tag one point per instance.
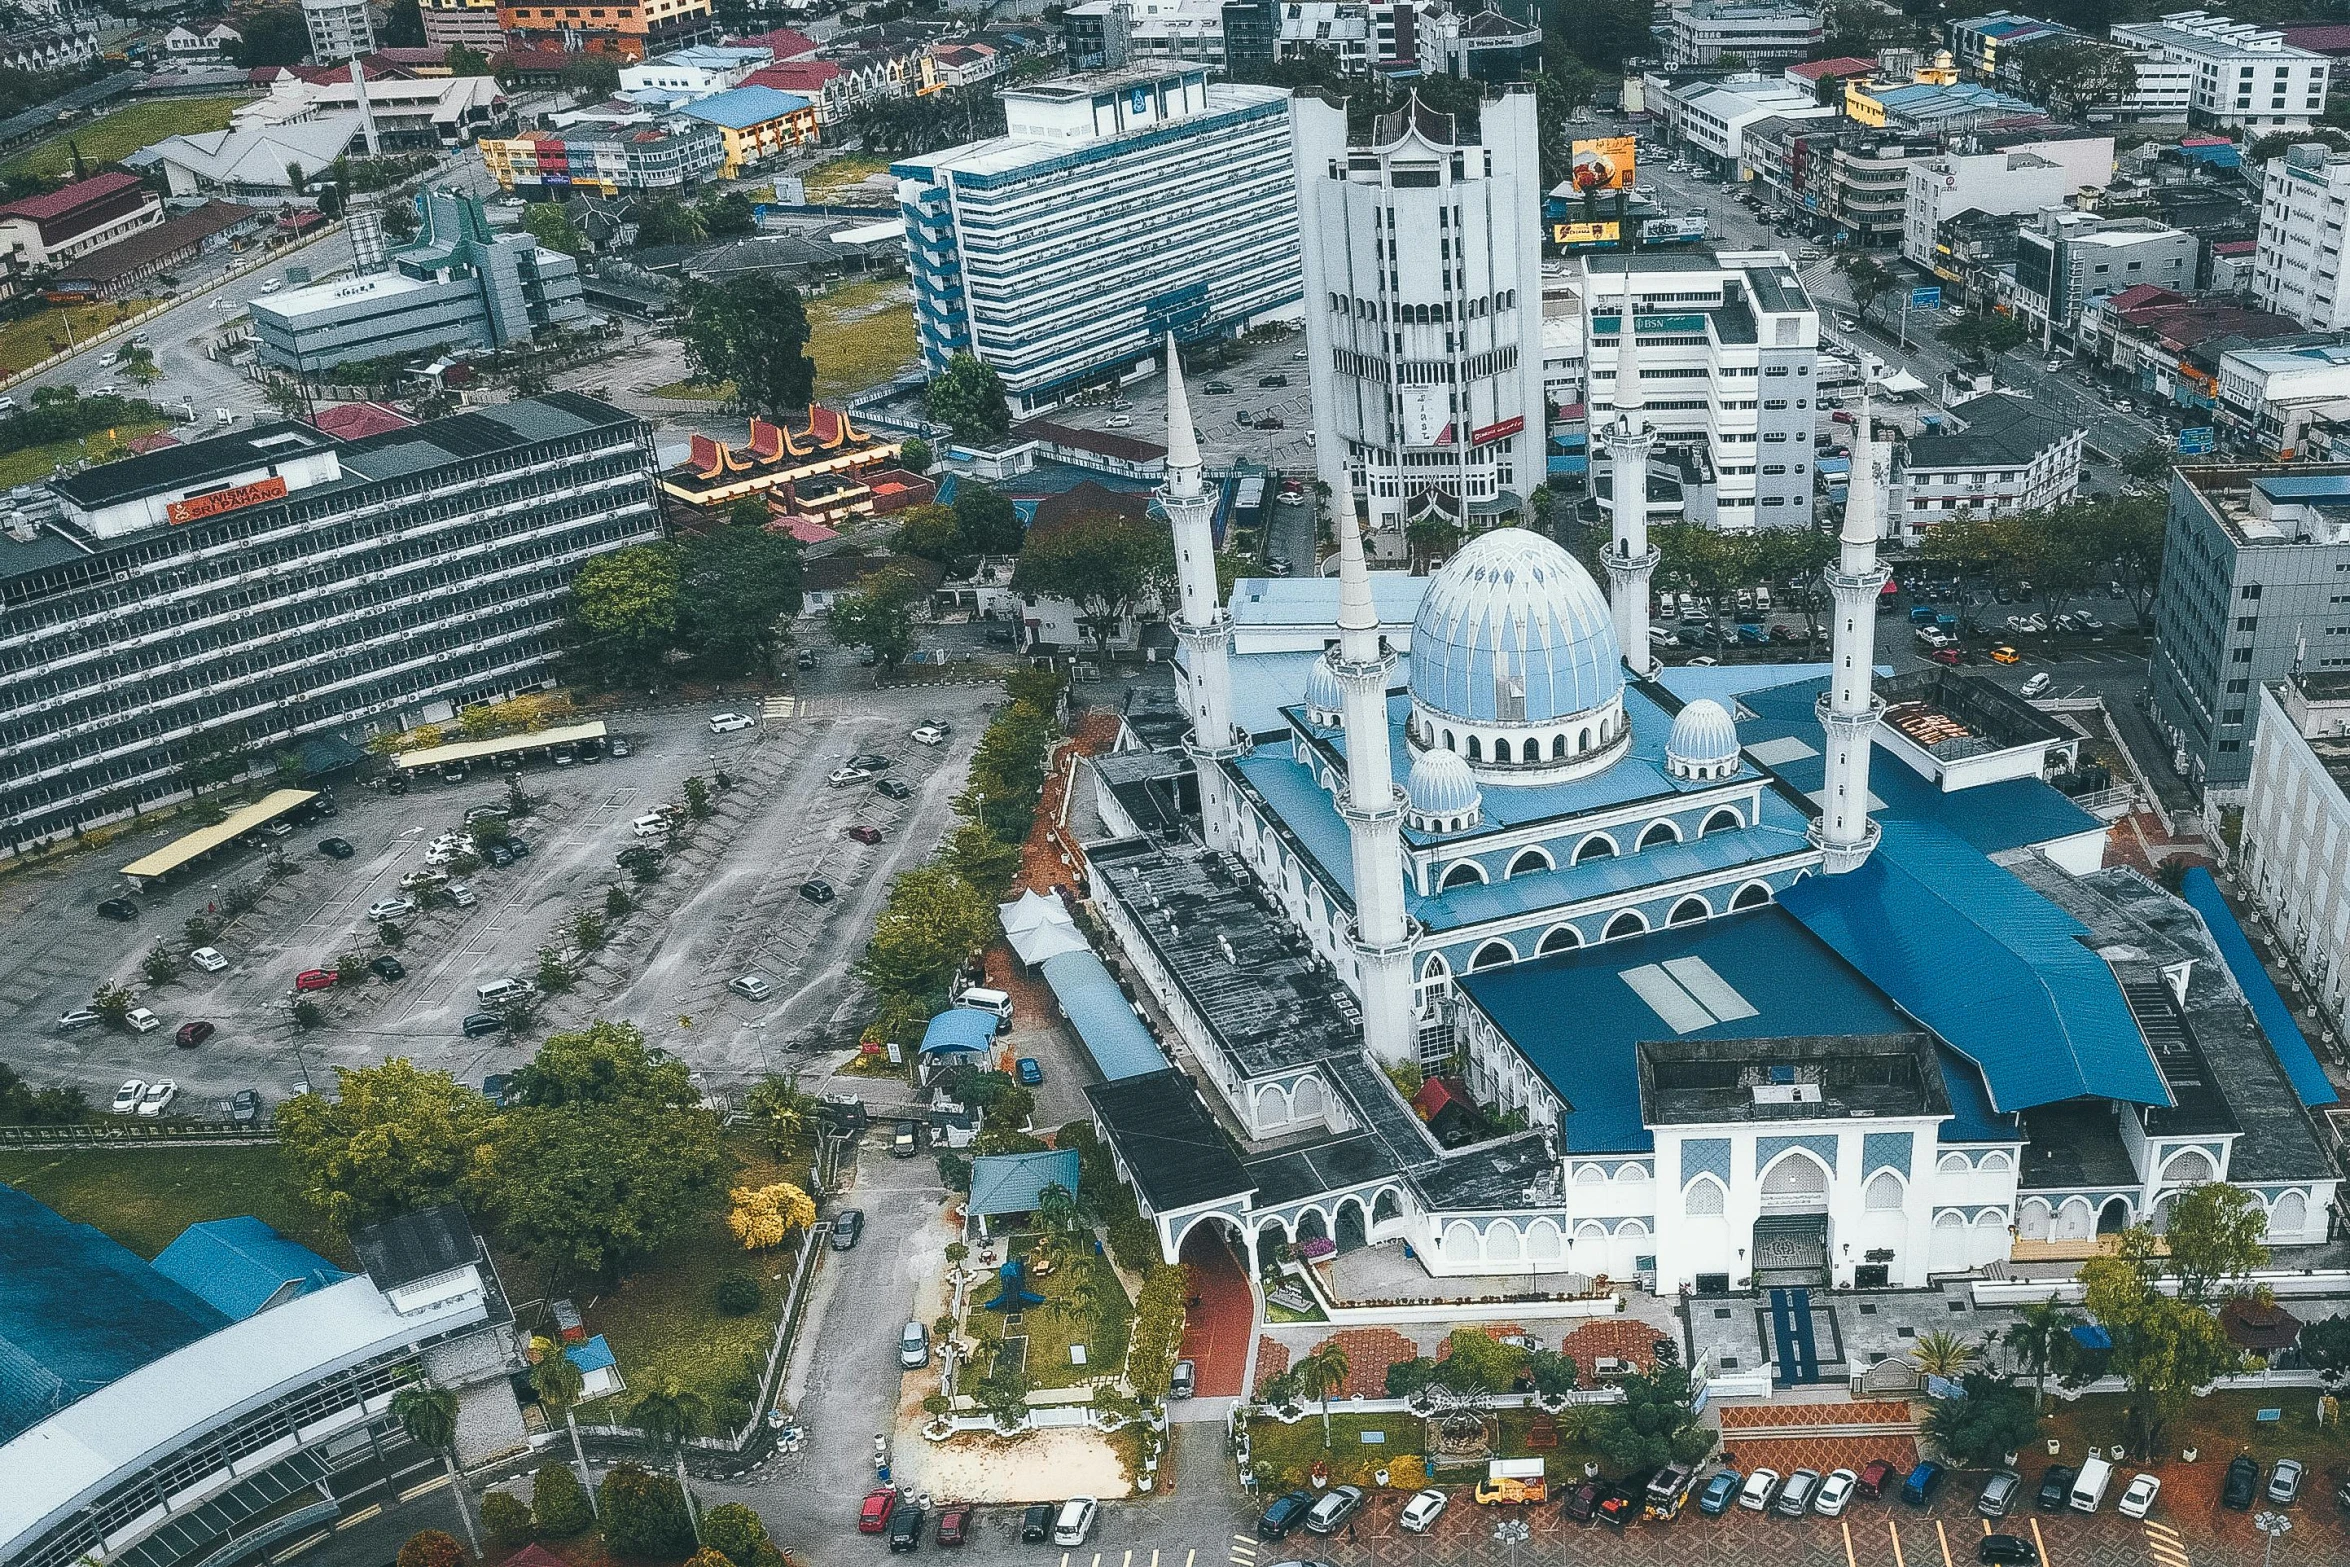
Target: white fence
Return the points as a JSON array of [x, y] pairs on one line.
[[2021, 1292]]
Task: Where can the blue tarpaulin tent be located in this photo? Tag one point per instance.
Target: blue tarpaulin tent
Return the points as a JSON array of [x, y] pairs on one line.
[[960, 1028]]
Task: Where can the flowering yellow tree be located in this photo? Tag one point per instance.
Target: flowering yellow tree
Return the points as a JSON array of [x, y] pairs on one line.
[[764, 1217]]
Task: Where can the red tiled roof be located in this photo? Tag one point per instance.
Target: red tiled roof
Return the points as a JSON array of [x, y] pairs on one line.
[[2319, 37], [152, 443], [1842, 65], [1107, 443], [67, 198], [351, 421], [800, 76], [2138, 294], [781, 42], [805, 529], [2235, 247]]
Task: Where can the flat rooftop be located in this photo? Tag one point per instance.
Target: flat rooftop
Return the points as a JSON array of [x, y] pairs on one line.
[[2263, 504]]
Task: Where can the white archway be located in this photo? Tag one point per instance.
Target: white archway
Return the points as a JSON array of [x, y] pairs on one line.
[[1502, 1242], [1704, 1198], [2076, 1220], [1946, 1246], [2033, 1219], [1996, 1162], [1533, 857], [1884, 1193], [1795, 1179], [1629, 923], [1461, 1243], [1752, 896], [2187, 1167], [1559, 938], [2288, 1217], [1595, 846], [1659, 833], [1272, 1104], [1689, 911], [1494, 954], [1305, 1100], [1544, 1243], [1461, 873]]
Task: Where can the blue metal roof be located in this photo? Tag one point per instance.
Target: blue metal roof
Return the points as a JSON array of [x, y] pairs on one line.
[[593, 1355], [241, 1266], [1304, 601], [740, 108], [1577, 1020], [1987, 963], [1724, 681], [1628, 872], [79, 1311], [1972, 1120], [1103, 1017], [960, 1028], [1010, 1182], [2285, 1039]]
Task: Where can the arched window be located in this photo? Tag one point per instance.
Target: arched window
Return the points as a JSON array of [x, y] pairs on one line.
[[1628, 923], [2289, 1217], [1689, 911], [1721, 819], [1953, 1164], [1560, 938], [1599, 846], [1462, 873], [1494, 954], [1996, 1161], [1658, 833], [1583, 740], [1501, 750], [1558, 748], [1475, 755], [1796, 1174], [1752, 896], [1531, 858], [2191, 1168], [1704, 1198], [1448, 745], [1590, 1175], [1883, 1194]]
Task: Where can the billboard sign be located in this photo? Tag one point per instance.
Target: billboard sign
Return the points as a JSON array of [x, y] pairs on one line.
[[1928, 298], [1604, 163], [2196, 440], [1658, 231], [1575, 236], [1425, 416], [197, 507]]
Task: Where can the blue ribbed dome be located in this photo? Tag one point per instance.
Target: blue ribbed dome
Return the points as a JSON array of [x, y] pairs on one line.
[[1513, 630], [1442, 785], [1323, 693], [1704, 736]]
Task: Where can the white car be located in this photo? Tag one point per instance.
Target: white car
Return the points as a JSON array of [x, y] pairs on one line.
[[2138, 1500], [158, 1096], [127, 1097], [208, 959], [650, 825], [728, 723], [752, 987], [1423, 1509], [842, 777], [389, 908], [143, 1021], [930, 734], [1118, 421], [2037, 684], [1075, 1521], [1761, 1486], [273, 285], [1835, 1492]]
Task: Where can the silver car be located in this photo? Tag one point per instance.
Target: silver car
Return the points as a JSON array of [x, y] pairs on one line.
[[914, 1347]]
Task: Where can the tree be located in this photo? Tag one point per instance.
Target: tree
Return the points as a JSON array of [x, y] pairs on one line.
[[878, 616], [211, 757], [561, 1504], [1869, 279], [394, 1138], [1982, 334], [549, 224], [668, 221], [624, 606], [1474, 1361], [273, 36], [750, 331], [644, 1514], [1006, 777], [2214, 1237], [553, 976], [914, 454], [1406, 1378], [1654, 1425], [2165, 1348], [2325, 1345], [606, 1063], [1155, 1341], [558, 1382], [1322, 1373], [507, 1517], [737, 1533], [1554, 1374], [160, 966], [1710, 563], [968, 398], [2073, 75], [727, 215], [1943, 1354], [1431, 539], [2150, 463], [987, 522], [431, 1548], [21, 1105], [590, 76], [669, 1415], [1110, 567], [429, 1417], [1978, 1429], [2041, 1339], [404, 26], [928, 532], [780, 1109], [764, 1217], [738, 588], [462, 61], [932, 924], [113, 1005], [988, 863], [1003, 1393]]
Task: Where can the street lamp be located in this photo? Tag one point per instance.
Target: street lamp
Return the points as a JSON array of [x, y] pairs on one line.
[[2270, 1523], [1511, 1533]]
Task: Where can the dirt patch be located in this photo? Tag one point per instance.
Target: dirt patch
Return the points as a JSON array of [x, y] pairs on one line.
[[1042, 1466]]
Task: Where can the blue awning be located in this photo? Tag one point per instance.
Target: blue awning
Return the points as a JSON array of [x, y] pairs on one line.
[[1102, 1016], [2090, 1336], [2285, 1039], [1569, 465], [960, 1028]]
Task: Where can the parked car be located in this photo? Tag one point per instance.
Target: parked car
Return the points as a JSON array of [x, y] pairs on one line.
[[1283, 1514], [871, 761], [244, 1107], [1947, 655], [2237, 1488], [142, 1021], [336, 848], [728, 723], [2056, 1488], [2138, 1500], [2284, 1482], [929, 734], [1760, 1490], [315, 979], [873, 1516], [1876, 1478], [1719, 1493], [2037, 684], [751, 987], [2004, 654], [388, 967], [120, 909], [954, 1523], [817, 890], [1183, 1381], [914, 1347], [1075, 1521], [616, 747], [1795, 1500], [847, 1226], [191, 1035], [1030, 1072], [480, 1023], [1424, 1508], [906, 1141], [79, 1017], [1036, 1524], [1918, 1490], [905, 1526], [390, 908], [158, 1097], [127, 1097], [208, 959], [462, 895], [1337, 1505], [1835, 1493], [1999, 1494], [863, 834], [842, 777], [2007, 1550], [893, 788]]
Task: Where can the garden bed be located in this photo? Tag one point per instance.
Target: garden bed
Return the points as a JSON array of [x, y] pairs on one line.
[[1286, 1454], [1050, 1329]]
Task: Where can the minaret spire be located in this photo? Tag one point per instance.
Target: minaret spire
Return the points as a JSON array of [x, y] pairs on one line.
[[1630, 559], [1203, 627], [1373, 805], [1850, 708]]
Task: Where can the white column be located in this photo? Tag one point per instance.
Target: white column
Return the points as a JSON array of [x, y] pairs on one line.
[[1850, 707], [1373, 808], [1631, 559], [1202, 626]]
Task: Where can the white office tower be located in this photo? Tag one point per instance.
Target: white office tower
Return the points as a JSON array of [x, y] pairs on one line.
[[1850, 707], [1373, 807], [1631, 559], [1204, 627], [1423, 296]]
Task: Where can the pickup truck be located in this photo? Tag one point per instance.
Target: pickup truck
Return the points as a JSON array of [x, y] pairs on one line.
[[1510, 1481]]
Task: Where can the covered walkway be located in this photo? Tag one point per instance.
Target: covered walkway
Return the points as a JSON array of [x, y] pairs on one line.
[[188, 848]]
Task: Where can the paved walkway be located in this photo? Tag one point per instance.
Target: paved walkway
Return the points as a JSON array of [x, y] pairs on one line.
[[1216, 1327]]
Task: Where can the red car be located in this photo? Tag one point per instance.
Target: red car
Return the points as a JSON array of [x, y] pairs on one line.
[[1947, 655], [954, 1523], [315, 979], [865, 834], [193, 1034], [873, 1517]]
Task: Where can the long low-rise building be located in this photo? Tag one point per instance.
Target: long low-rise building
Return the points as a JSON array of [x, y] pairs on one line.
[[2010, 458], [278, 584]]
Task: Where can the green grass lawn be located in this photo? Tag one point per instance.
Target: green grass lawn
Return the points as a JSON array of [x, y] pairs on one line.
[[115, 136], [32, 338], [38, 462], [2221, 1426], [844, 176], [1051, 1328], [144, 1197], [860, 335], [1285, 1455]]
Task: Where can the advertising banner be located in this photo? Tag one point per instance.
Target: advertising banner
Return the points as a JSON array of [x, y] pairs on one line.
[[1604, 163], [1573, 235]]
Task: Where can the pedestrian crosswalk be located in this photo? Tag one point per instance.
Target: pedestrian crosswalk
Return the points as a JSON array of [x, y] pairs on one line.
[[1244, 1551], [2164, 1544], [804, 707], [1127, 1558]]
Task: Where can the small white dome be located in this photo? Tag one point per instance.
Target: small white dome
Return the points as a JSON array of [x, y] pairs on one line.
[[1704, 740], [1442, 785], [1323, 693]]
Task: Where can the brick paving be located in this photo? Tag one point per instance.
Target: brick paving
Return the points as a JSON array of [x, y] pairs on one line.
[[1616, 1338], [1272, 1360], [1741, 1418]]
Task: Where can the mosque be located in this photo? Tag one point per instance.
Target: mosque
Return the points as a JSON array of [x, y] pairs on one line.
[[1476, 931]]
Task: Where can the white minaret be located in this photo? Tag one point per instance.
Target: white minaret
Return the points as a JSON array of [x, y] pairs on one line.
[[1204, 628], [1373, 807], [1849, 709], [1631, 559]]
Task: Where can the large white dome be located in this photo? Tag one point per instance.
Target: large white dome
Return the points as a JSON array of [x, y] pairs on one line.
[[1514, 631]]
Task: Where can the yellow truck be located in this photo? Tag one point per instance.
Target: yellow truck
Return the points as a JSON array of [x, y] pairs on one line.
[[1513, 1481]]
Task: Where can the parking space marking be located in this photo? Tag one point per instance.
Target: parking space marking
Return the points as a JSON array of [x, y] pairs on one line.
[[2164, 1545], [1942, 1537], [1849, 1559], [2040, 1545], [1894, 1529]]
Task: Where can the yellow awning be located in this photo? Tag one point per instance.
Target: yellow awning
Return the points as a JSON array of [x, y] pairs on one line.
[[181, 850], [475, 750]]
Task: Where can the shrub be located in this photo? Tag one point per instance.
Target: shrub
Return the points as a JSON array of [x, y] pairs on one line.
[[644, 1514], [506, 1518], [432, 1548], [738, 1294], [736, 1534], [559, 1502]]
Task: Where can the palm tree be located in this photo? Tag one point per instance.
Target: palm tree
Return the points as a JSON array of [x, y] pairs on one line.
[[558, 1384], [782, 1108], [2040, 1338], [1321, 1374], [1058, 1217], [669, 1415], [1943, 1354], [429, 1416]]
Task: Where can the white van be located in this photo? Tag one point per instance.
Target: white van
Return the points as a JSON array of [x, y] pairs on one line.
[[1075, 1521], [498, 990], [650, 825], [2089, 1485], [989, 1001]]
